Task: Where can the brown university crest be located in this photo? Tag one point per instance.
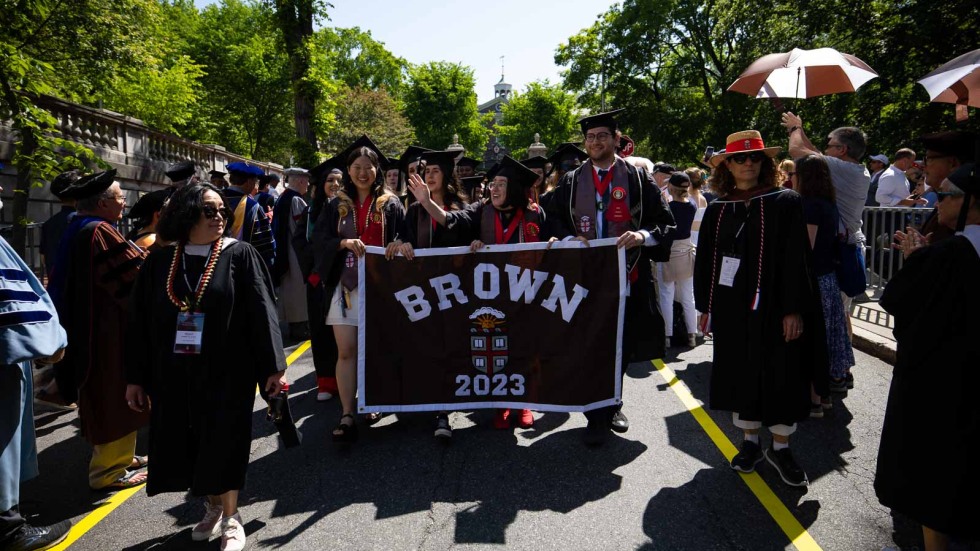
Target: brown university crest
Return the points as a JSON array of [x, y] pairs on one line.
[[488, 340]]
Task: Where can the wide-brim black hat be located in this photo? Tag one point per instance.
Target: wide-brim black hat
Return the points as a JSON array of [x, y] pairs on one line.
[[90, 185], [149, 203], [180, 171]]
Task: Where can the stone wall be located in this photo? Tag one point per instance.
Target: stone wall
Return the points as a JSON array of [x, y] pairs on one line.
[[139, 153]]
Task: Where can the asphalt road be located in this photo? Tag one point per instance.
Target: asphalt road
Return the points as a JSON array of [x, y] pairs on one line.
[[663, 485]]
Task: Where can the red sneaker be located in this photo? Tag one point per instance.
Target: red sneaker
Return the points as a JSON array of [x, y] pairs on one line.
[[502, 419], [527, 419]]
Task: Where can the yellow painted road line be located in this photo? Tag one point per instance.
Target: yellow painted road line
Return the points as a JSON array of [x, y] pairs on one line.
[[797, 535], [120, 497]]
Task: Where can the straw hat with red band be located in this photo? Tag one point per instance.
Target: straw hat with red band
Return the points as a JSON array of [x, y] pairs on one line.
[[745, 141]]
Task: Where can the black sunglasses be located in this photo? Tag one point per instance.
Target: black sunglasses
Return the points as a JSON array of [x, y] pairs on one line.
[[940, 195], [211, 212], [755, 156]]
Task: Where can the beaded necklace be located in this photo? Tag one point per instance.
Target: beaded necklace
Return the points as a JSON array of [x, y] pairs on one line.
[[202, 284]]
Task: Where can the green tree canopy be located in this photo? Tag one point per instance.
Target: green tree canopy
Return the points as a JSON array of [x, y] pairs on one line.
[[440, 101], [541, 109], [372, 112], [669, 62], [359, 61]]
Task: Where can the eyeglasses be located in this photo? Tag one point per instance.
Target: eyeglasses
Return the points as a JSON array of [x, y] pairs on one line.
[[940, 195], [211, 212], [599, 136], [497, 185], [740, 158]]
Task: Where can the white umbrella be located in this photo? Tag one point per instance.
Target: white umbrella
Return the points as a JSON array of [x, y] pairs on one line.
[[803, 74], [957, 81]]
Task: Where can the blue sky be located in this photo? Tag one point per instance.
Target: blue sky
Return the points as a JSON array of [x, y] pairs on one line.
[[525, 32]]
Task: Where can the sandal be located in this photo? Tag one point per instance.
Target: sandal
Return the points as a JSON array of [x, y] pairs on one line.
[[372, 418], [347, 433], [128, 480], [139, 461]]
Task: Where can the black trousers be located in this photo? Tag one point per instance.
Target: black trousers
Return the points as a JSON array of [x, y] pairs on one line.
[[604, 415], [322, 341], [10, 522]]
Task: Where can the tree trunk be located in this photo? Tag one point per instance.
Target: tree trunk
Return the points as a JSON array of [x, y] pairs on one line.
[[296, 24]]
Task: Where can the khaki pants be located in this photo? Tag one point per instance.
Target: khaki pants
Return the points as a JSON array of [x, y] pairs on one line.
[[110, 461]]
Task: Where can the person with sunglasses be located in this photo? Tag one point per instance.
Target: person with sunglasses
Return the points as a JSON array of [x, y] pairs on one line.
[[843, 152], [926, 467], [203, 332], [751, 278]]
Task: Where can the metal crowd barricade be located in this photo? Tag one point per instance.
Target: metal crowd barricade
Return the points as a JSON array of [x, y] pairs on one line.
[[880, 225]]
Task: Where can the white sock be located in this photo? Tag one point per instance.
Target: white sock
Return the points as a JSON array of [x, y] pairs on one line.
[[779, 445], [754, 438]]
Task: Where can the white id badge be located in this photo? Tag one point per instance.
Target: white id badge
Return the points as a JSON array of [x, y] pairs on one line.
[[729, 267], [190, 328]]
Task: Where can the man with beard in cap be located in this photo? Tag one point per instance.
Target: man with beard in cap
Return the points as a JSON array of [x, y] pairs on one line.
[[606, 197], [93, 273]]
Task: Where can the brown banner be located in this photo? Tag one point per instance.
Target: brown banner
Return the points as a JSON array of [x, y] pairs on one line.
[[514, 326]]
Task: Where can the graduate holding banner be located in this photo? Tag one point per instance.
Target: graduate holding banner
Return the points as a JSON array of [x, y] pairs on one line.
[[476, 320]]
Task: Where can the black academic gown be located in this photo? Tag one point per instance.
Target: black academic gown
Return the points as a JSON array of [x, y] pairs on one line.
[[326, 239], [201, 414], [643, 328], [926, 461], [755, 372]]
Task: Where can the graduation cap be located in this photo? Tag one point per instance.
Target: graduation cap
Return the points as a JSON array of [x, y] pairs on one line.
[[467, 161], [470, 183], [339, 161], [445, 159], [217, 174], [180, 171], [516, 173], [567, 151], [607, 119], [957, 143], [410, 156], [392, 164], [492, 172], [62, 181], [90, 185], [242, 167], [149, 203], [535, 162]]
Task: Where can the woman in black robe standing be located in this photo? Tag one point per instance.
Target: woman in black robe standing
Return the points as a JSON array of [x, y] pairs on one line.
[[437, 186], [364, 213], [926, 460], [751, 277], [203, 331]]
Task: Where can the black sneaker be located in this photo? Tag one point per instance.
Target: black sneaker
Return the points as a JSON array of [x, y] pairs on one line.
[[747, 458], [838, 386], [786, 466], [444, 431], [816, 411], [850, 380], [29, 538]]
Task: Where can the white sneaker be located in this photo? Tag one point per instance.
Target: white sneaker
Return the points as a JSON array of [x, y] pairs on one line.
[[232, 533], [323, 396], [209, 526]]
